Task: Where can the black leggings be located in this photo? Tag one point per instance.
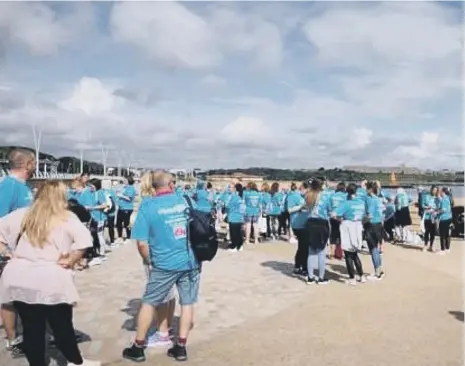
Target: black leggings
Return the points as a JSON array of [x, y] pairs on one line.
[[122, 221], [389, 226], [268, 227], [444, 234], [353, 264], [235, 233], [34, 318], [430, 232], [283, 223], [111, 228], [301, 255]]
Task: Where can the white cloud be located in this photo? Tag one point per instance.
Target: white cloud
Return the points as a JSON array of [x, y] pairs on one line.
[[246, 131], [403, 54], [426, 147], [91, 97], [344, 83], [214, 80], [361, 137], [39, 28], [167, 31], [176, 36]]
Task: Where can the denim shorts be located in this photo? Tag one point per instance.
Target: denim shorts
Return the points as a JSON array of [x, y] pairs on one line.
[[161, 283], [251, 219], [171, 295]]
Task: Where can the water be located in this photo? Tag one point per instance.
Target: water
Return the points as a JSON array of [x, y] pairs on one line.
[[457, 191]]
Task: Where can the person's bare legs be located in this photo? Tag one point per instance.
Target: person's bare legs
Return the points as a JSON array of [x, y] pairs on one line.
[[163, 317], [186, 321], [8, 316], [291, 234], [248, 229], [171, 309], [332, 250], [144, 321]]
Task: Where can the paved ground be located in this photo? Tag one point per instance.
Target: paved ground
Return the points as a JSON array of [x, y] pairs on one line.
[[253, 313]]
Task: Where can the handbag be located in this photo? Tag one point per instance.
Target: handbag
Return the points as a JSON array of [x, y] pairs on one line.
[[262, 224]]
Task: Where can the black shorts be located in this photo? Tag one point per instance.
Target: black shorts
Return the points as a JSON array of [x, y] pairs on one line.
[[403, 217], [317, 233], [374, 235], [335, 236]]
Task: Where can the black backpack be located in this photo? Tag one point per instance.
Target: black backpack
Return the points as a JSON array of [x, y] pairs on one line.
[[201, 233]]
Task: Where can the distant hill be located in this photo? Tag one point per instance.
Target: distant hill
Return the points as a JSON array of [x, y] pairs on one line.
[[337, 174], [67, 164]]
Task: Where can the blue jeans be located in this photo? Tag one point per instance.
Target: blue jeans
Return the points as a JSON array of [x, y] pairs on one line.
[[375, 257], [320, 256], [161, 283]]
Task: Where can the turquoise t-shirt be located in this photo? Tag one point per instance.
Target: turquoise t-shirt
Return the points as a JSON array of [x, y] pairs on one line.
[[14, 194], [235, 209], [446, 208], [375, 209], [252, 200], [352, 210], [162, 222]]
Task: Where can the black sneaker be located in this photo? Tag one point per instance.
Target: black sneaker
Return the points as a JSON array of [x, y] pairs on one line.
[[297, 272], [323, 281], [134, 353], [380, 276], [17, 350], [311, 280], [179, 353]]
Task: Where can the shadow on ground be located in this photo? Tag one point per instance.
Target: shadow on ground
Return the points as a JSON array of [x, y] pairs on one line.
[[286, 268], [132, 310], [410, 246], [459, 315]]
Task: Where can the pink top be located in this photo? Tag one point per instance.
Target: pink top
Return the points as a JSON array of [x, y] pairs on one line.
[[33, 275]]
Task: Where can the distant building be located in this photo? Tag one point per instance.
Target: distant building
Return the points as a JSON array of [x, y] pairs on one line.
[[244, 178], [383, 169]]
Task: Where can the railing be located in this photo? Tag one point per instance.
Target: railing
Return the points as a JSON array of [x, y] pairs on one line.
[[63, 176]]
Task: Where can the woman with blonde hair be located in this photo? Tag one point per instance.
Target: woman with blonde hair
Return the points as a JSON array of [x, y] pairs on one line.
[[252, 201], [43, 243], [319, 207]]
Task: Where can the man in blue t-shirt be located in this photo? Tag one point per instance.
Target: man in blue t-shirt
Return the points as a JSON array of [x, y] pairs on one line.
[[15, 194], [160, 230]]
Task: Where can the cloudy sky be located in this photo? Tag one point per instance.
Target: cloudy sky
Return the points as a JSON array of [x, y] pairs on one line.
[[225, 84]]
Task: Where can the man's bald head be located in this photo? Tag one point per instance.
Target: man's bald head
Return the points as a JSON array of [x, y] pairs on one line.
[[21, 159], [162, 180]]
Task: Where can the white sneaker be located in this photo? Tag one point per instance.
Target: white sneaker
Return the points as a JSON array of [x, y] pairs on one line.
[[10, 345], [447, 250], [119, 241], [441, 252], [86, 363], [293, 240], [351, 282], [94, 262], [240, 249], [127, 241], [158, 340], [362, 279]]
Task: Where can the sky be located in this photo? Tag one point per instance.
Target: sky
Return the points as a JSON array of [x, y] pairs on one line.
[[236, 84]]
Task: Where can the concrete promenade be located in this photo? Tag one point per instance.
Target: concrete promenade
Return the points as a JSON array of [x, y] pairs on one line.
[[252, 312]]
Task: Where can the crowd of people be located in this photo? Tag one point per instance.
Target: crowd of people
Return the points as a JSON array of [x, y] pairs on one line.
[[58, 230]]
